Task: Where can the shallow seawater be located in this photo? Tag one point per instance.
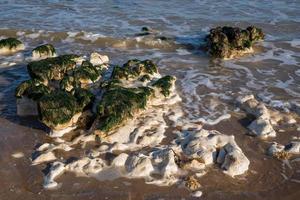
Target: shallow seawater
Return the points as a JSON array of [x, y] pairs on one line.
[[207, 87]]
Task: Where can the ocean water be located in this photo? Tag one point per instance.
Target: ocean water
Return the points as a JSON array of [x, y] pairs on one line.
[[207, 87]]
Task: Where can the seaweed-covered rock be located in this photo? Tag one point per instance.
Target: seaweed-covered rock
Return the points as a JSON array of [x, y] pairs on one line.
[[120, 103], [86, 73], [43, 51], [31, 89], [228, 42], [10, 45], [134, 69], [165, 84], [52, 68], [59, 109], [81, 77]]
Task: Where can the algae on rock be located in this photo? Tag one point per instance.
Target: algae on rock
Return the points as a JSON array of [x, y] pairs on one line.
[[120, 103], [228, 42], [164, 84], [9, 45], [58, 109], [44, 51], [52, 68], [32, 89], [134, 69]]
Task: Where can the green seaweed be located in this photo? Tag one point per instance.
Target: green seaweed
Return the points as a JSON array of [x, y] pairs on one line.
[[68, 83], [84, 97], [119, 103], [10, 43], [59, 107], [86, 71], [134, 69], [51, 68], [164, 84], [32, 89], [144, 78], [47, 49]]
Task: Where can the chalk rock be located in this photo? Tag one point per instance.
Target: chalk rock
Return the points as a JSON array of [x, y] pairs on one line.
[[213, 147], [139, 166], [98, 59], [44, 157], [164, 161], [262, 127], [120, 160], [284, 152], [233, 160], [86, 166], [56, 169]]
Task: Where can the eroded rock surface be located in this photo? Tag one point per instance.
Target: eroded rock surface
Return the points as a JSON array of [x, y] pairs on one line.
[[264, 118]]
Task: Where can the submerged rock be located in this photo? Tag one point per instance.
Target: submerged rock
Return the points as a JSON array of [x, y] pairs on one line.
[[229, 42], [10, 45], [43, 51]]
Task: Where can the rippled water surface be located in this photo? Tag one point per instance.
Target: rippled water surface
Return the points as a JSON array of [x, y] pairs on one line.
[[207, 87]]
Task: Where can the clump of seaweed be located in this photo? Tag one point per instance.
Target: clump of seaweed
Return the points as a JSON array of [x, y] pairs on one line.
[[81, 76], [45, 50], [31, 89], [192, 183], [59, 107], [282, 155], [10, 43], [52, 68], [86, 72], [120, 103], [226, 42], [134, 69], [164, 84]]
